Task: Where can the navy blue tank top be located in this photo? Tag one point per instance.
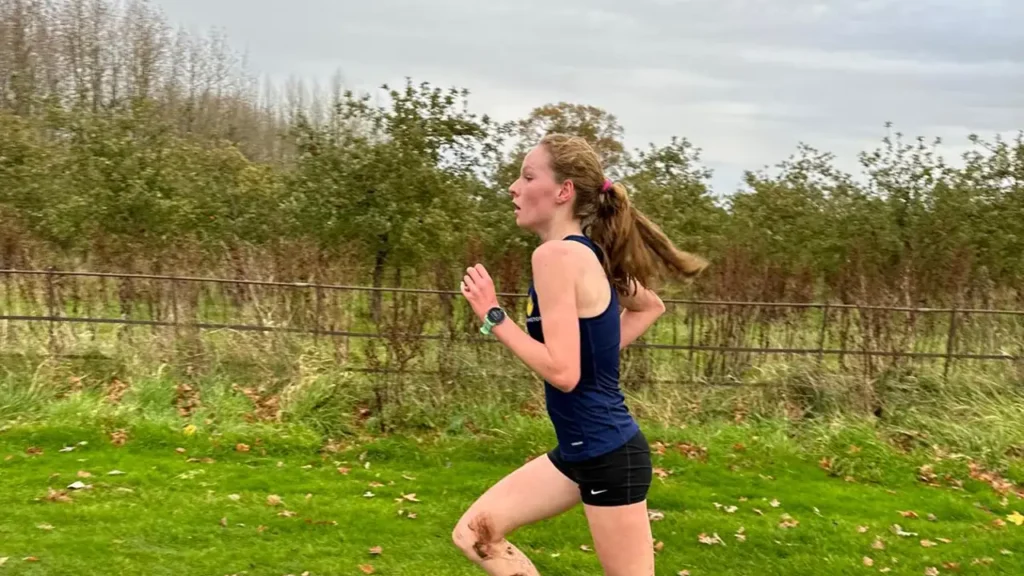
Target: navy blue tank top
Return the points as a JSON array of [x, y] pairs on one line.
[[593, 419]]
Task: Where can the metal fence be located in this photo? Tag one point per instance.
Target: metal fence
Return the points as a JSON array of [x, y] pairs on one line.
[[713, 337]]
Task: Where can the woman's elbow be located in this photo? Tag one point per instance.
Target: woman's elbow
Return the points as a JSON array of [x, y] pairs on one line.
[[566, 380]]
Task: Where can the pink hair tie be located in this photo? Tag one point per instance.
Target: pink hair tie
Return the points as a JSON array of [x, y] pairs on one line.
[[607, 186]]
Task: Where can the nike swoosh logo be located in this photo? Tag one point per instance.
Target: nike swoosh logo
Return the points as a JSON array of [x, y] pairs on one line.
[[596, 492]]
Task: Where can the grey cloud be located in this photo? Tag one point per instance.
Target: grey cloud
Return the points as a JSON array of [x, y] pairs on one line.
[[744, 79]]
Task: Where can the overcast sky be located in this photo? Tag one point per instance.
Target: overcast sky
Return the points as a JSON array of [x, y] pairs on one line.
[[745, 80]]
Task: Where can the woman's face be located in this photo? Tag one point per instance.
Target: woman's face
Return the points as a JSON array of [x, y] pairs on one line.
[[536, 193]]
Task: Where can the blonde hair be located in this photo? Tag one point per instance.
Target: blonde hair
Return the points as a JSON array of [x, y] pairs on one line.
[[634, 246]]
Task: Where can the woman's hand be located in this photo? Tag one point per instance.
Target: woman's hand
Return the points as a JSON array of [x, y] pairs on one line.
[[478, 288]]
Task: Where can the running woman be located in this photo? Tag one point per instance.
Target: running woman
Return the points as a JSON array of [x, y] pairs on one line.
[[597, 253]]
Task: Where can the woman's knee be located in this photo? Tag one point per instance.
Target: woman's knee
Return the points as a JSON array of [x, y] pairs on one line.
[[475, 533]]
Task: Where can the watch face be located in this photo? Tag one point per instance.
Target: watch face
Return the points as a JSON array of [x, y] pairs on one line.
[[495, 315]]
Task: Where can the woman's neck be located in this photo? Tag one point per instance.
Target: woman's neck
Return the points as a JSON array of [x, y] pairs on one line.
[[560, 230]]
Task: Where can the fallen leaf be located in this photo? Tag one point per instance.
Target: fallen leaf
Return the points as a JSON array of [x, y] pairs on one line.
[[409, 478], [241, 447], [775, 503], [661, 473], [287, 513], [376, 551], [928, 544], [79, 486], [4, 560], [931, 571], [115, 473], [978, 561], [57, 496], [1006, 552], [709, 540], [67, 449], [908, 514], [260, 529], [788, 522], [585, 548], [658, 546], [731, 509], [683, 573], [224, 522], [234, 497], [366, 568], [343, 471], [31, 559], [1016, 518], [885, 570], [179, 450], [862, 529], [898, 530], [376, 485], [84, 474], [945, 540], [34, 451], [758, 512], [868, 561], [951, 566], [878, 544], [46, 527], [410, 497], [655, 515], [368, 494], [999, 523], [119, 437], [741, 534], [273, 500]]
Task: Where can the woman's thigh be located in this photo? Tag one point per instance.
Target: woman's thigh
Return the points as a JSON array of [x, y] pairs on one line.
[[622, 539], [535, 491]]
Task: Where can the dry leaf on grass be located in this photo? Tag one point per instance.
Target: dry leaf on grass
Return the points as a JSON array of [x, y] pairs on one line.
[[1016, 518], [586, 548], [241, 447], [928, 544], [366, 568], [868, 561], [57, 496], [376, 551], [343, 471], [655, 515], [287, 514], [775, 503], [46, 527], [878, 544], [862, 529], [658, 546], [4, 560], [84, 474], [710, 540], [908, 513], [931, 571], [954, 566], [119, 437], [274, 500]]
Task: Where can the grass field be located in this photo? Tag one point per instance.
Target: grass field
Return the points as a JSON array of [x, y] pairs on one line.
[[811, 500]]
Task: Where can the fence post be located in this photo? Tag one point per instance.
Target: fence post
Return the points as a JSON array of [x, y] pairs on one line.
[[319, 311], [950, 342], [51, 305], [821, 334]]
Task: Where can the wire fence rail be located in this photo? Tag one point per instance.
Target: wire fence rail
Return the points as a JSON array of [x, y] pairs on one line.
[[713, 338]]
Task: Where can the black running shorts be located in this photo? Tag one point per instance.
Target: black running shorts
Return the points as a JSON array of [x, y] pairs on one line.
[[618, 478]]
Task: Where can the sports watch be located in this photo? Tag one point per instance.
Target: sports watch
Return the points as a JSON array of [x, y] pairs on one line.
[[494, 316]]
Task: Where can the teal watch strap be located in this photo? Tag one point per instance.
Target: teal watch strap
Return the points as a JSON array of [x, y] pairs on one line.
[[486, 328]]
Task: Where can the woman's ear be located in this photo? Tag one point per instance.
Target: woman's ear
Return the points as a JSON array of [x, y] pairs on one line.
[[567, 192]]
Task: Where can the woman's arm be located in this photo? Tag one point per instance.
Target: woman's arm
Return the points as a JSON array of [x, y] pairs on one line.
[[642, 308], [557, 358]]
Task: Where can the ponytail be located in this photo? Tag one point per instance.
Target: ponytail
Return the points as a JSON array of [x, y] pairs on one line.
[[635, 248]]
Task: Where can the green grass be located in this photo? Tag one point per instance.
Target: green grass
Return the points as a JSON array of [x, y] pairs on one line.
[[164, 515]]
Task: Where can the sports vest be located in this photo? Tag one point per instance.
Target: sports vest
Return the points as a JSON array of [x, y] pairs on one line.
[[593, 419]]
